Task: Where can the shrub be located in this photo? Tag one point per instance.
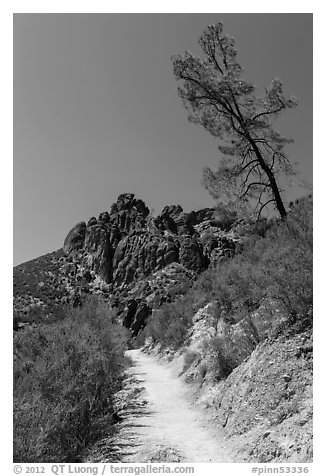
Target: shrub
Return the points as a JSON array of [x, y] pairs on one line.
[[277, 267], [170, 324], [272, 271], [65, 375], [221, 357]]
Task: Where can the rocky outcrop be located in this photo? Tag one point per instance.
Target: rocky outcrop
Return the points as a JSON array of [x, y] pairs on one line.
[[144, 260], [98, 249], [140, 254], [174, 219], [191, 254], [136, 261], [148, 294], [128, 213], [133, 260], [74, 241]]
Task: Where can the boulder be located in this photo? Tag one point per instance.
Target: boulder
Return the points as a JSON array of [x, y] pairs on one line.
[[99, 251], [74, 241]]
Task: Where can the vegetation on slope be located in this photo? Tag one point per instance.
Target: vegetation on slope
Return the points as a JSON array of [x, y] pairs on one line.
[[273, 266], [244, 335], [38, 289], [65, 375]]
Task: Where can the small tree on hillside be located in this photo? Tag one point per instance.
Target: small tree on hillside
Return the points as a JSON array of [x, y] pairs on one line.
[[224, 103]]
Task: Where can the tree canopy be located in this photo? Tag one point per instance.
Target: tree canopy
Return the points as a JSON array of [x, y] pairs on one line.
[[218, 97]]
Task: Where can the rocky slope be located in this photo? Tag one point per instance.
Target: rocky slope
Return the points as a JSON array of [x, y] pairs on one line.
[[133, 260], [265, 405]]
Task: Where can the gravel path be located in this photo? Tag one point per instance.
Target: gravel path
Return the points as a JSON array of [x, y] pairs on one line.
[[160, 423]]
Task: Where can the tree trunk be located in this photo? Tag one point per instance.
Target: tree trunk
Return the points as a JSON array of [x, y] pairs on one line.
[[276, 193]]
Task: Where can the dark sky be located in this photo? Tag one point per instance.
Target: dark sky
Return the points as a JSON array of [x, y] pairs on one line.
[[96, 112]]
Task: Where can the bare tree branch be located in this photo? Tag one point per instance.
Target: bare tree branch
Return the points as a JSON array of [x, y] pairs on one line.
[[251, 185], [265, 204]]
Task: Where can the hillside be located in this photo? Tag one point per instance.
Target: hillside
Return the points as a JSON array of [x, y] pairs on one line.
[[134, 261], [38, 290], [226, 301]]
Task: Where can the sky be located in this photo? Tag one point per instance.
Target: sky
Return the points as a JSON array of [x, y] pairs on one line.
[[96, 112]]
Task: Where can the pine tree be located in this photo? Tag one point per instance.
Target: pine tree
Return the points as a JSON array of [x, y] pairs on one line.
[[225, 104]]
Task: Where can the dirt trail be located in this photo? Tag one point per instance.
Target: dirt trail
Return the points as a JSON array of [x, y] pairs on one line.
[[160, 424]]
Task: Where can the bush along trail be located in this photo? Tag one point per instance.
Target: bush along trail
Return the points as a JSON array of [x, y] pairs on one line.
[[65, 377]]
